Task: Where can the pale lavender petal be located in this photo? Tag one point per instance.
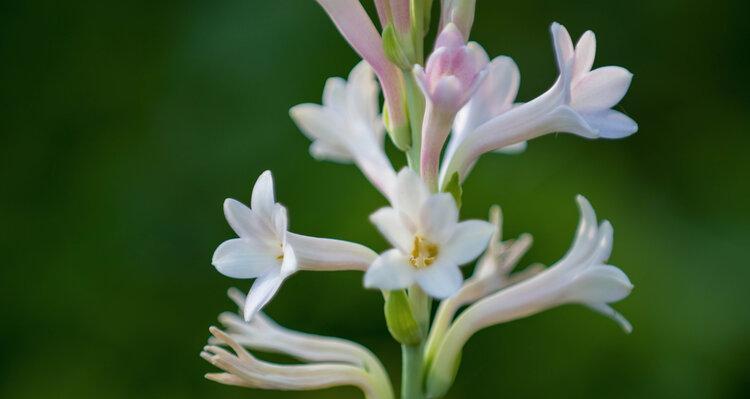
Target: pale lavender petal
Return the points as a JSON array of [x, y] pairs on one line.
[[601, 89], [563, 44], [611, 124], [585, 53], [599, 284]]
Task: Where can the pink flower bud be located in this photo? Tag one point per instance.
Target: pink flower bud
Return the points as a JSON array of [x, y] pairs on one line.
[[453, 73]]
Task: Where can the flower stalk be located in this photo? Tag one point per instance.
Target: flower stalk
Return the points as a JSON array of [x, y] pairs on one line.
[[443, 114]]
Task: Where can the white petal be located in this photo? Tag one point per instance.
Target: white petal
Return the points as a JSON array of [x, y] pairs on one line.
[[262, 200], [389, 223], [513, 148], [611, 124], [390, 271], [585, 53], [441, 279], [324, 127], [586, 233], [468, 241], [599, 284], [411, 193], [289, 265], [244, 258], [601, 88], [262, 291], [323, 151], [280, 221], [334, 94], [246, 223], [438, 218], [603, 248], [612, 314]]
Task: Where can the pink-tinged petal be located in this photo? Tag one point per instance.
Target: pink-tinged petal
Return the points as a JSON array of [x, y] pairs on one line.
[[244, 258], [469, 240], [611, 124], [390, 224], [384, 12], [563, 44], [438, 218], [447, 93], [314, 253], [599, 284], [262, 291], [355, 25], [440, 280], [262, 201], [601, 89], [411, 192], [585, 53], [390, 271], [401, 15], [449, 37], [245, 222]]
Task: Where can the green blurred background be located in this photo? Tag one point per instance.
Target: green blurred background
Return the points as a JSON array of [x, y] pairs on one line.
[[126, 124]]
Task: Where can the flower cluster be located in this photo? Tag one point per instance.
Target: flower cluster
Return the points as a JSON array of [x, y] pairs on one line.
[[443, 110]]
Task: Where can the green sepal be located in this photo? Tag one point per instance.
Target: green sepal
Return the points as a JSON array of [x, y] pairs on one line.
[[454, 188], [393, 49], [400, 320], [400, 135]]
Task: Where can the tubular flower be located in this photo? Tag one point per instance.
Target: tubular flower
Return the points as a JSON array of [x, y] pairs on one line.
[[347, 127], [267, 252], [579, 102], [429, 242], [454, 72], [580, 277]]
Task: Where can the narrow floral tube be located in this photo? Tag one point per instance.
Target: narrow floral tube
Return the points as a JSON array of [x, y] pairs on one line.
[[251, 372], [355, 25]]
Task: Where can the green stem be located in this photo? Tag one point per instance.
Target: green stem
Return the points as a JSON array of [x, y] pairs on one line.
[[411, 373], [416, 105]]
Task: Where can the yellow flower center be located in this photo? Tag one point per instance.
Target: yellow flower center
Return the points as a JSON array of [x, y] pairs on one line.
[[423, 253]]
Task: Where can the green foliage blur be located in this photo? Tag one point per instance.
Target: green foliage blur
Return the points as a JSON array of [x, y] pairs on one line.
[[125, 124]]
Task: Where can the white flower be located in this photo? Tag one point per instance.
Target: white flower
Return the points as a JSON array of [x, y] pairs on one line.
[[429, 242], [261, 251], [579, 102], [267, 252], [581, 276], [347, 127]]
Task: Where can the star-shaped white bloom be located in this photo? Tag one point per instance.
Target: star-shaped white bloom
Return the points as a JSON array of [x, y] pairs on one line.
[[429, 241], [261, 251]]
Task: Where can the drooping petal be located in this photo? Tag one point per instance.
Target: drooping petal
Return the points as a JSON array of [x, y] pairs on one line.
[[441, 279], [263, 289], [390, 224], [608, 311], [262, 199], [599, 284], [468, 241], [438, 218], [244, 258], [390, 271], [245, 222], [601, 88], [611, 124]]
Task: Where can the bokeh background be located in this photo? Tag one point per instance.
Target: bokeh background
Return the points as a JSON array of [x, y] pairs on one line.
[[126, 124]]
